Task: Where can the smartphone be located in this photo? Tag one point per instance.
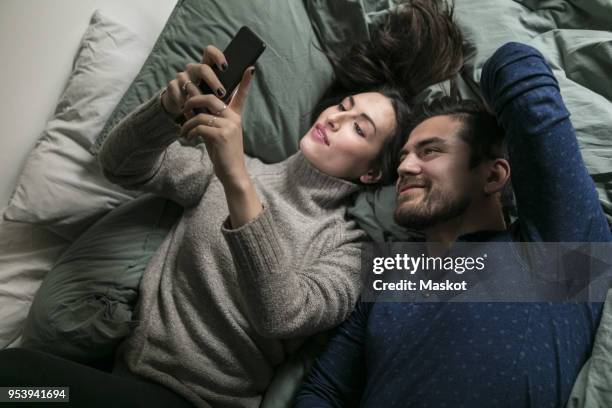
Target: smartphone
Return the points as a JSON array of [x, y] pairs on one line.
[[242, 52]]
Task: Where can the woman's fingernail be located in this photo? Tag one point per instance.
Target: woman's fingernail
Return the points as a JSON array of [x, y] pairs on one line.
[[220, 92], [252, 71], [223, 66]]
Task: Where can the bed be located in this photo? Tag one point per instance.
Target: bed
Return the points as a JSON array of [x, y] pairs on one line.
[[64, 220]]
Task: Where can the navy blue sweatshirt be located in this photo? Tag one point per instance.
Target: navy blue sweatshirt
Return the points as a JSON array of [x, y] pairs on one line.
[[484, 354]]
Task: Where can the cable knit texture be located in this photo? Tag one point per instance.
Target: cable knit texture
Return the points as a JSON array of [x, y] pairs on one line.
[[219, 308]]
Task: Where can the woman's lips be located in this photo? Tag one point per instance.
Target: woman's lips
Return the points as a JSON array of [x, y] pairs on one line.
[[320, 134]]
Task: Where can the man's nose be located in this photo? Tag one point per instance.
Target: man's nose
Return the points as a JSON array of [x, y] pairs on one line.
[[409, 165]]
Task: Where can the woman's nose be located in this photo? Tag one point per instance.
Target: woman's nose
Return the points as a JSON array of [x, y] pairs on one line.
[[334, 121]]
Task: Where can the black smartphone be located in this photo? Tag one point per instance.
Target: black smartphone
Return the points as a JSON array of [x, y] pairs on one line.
[[241, 53]]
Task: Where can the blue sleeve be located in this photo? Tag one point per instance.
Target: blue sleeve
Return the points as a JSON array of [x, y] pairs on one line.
[[338, 375], [556, 198]]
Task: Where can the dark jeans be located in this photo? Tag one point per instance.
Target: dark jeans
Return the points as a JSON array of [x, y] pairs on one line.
[[88, 387]]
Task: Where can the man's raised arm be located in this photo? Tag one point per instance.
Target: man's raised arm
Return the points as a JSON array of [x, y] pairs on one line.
[[555, 195]]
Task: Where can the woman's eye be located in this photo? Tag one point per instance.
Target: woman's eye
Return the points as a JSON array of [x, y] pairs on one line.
[[341, 107], [359, 130]]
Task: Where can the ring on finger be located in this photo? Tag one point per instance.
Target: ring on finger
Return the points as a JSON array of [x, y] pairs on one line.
[[184, 87], [220, 111], [211, 121]]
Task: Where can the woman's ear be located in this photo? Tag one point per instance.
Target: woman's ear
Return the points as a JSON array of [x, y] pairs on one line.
[[371, 177], [497, 177]]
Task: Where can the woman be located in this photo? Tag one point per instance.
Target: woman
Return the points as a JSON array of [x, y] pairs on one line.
[[263, 254]]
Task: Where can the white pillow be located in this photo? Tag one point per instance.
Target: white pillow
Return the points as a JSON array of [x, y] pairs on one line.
[[61, 185]]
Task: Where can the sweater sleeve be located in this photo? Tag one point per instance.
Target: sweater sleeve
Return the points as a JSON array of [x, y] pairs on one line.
[[556, 198], [284, 300], [141, 153], [337, 378]]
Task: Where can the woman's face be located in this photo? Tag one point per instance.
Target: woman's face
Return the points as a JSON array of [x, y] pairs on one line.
[[346, 138]]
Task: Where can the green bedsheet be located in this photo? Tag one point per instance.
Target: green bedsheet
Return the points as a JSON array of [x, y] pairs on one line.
[[593, 388]]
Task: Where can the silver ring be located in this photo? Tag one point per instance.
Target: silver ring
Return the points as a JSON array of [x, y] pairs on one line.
[[211, 121], [221, 110], [184, 87]]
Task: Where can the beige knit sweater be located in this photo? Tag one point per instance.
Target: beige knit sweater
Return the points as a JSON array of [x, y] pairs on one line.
[[219, 308]]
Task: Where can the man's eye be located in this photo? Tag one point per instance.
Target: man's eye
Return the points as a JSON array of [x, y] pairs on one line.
[[359, 130], [427, 152]]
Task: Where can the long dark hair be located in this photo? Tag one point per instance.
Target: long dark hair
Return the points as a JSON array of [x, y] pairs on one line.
[[416, 45]]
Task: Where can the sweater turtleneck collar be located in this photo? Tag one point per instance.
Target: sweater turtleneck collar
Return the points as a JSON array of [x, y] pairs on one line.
[[309, 186]]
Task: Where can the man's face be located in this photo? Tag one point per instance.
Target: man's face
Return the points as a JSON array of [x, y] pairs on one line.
[[435, 182]]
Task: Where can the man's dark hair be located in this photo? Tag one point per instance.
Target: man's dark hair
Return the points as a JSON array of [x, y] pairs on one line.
[[417, 44], [479, 128]]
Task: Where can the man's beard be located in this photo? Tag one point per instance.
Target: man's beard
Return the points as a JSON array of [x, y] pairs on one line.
[[436, 207]]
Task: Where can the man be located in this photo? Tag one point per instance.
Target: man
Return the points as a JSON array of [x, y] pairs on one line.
[[452, 174]]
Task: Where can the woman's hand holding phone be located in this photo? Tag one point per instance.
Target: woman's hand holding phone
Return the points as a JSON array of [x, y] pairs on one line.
[[214, 75], [184, 86], [219, 126], [220, 129]]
